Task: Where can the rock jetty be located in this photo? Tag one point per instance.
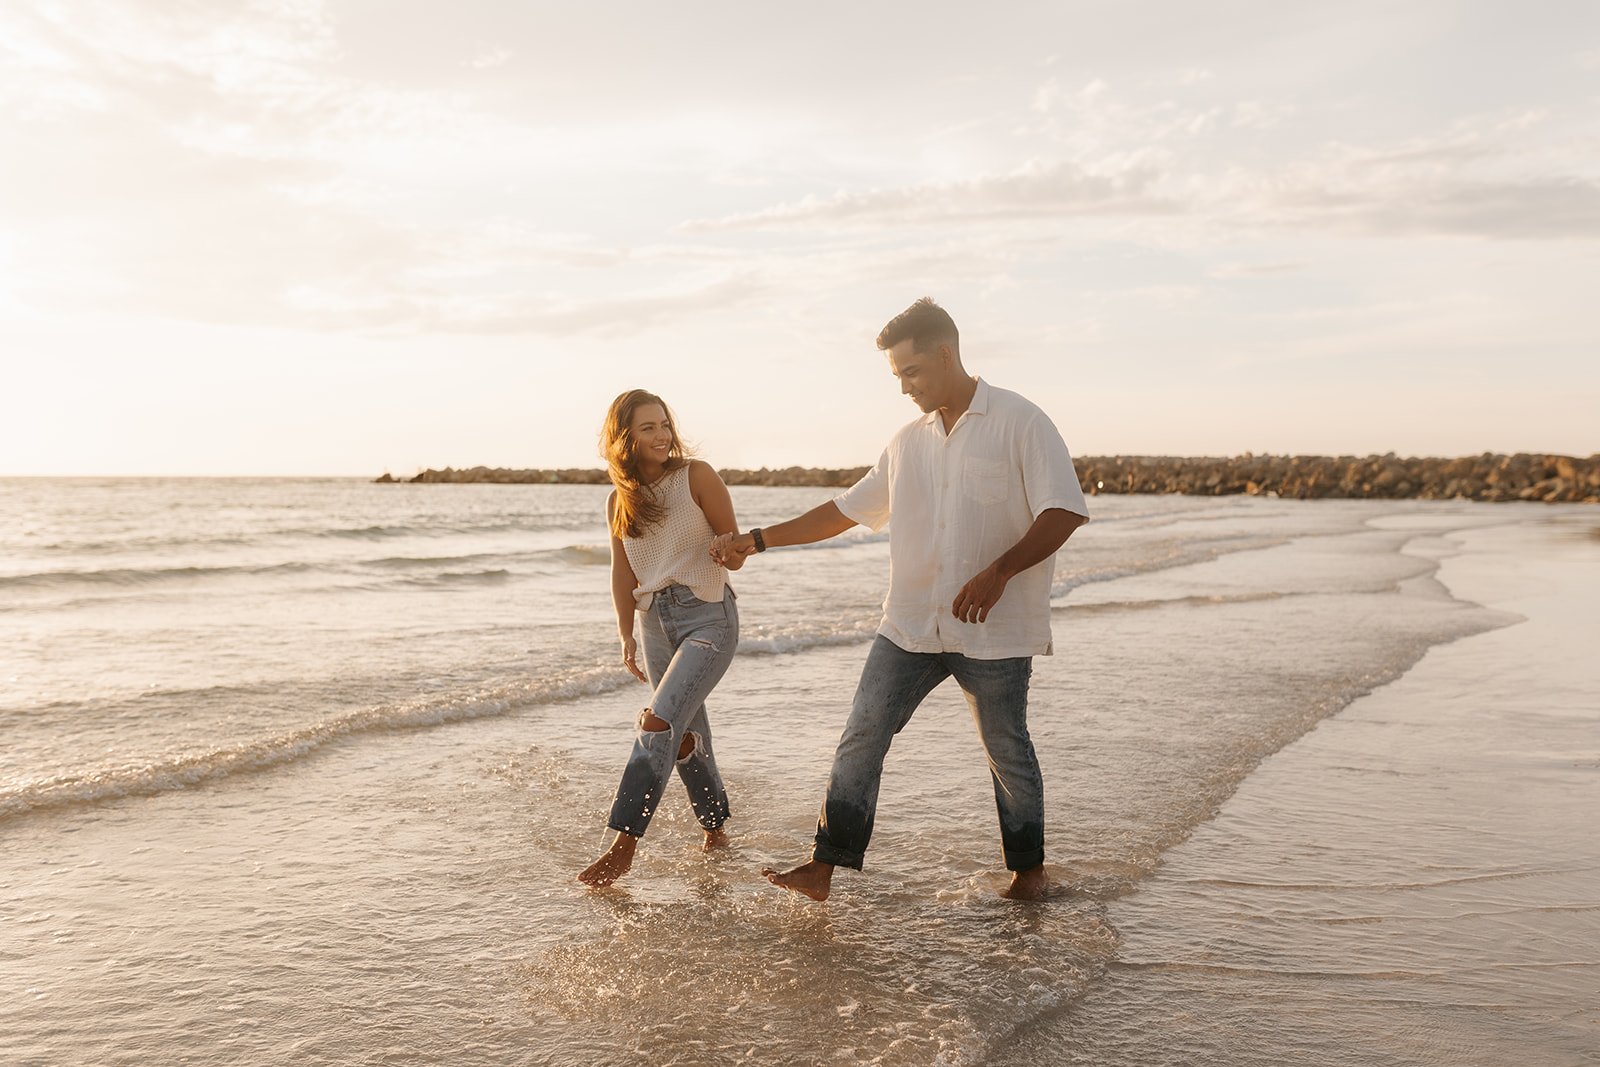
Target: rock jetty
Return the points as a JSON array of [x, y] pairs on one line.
[[1490, 476]]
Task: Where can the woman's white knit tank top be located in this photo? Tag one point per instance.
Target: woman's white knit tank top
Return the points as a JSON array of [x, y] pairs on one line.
[[676, 549]]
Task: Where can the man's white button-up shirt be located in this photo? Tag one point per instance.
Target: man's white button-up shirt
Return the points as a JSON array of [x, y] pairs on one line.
[[958, 501]]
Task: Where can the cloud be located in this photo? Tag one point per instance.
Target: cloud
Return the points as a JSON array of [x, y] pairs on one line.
[[1464, 186], [1229, 271], [1497, 175], [490, 58], [239, 164], [1470, 181], [424, 310], [1501, 174], [216, 165], [1037, 190], [1527, 209], [1258, 115]]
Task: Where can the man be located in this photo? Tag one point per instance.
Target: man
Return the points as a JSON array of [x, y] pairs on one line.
[[982, 493]]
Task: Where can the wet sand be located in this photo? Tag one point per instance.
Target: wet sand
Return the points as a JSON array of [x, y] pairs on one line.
[[1416, 881]]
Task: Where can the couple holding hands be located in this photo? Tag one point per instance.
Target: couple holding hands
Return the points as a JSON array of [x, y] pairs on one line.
[[982, 493]]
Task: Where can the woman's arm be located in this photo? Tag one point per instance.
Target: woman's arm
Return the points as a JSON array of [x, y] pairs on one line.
[[623, 583], [708, 490]]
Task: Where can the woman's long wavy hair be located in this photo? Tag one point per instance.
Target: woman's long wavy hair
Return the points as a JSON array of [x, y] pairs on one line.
[[637, 507]]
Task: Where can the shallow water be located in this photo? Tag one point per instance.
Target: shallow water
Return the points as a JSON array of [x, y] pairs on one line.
[[358, 802], [1415, 881]]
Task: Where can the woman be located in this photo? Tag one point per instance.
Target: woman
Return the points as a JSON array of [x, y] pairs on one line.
[[663, 513]]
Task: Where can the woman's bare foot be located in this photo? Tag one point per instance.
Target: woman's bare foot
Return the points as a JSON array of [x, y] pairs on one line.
[[811, 879], [1030, 884], [613, 864], [715, 839]]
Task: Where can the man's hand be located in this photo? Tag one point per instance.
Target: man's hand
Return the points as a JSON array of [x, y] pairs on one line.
[[979, 595], [1048, 533], [731, 550], [630, 653]]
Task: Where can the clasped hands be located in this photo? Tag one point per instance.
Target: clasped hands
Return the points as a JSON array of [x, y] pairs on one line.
[[732, 549]]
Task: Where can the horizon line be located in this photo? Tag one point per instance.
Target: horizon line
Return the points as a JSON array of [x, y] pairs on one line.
[[793, 466]]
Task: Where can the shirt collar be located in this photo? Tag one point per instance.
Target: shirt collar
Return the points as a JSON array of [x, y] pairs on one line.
[[979, 405]]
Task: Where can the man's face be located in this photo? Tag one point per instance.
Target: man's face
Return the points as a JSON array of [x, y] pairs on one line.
[[924, 376]]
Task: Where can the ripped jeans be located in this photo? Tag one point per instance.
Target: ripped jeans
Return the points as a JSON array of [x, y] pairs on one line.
[[688, 645]]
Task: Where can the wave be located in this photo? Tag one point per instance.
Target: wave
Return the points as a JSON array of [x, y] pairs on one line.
[[457, 578], [487, 568], [1193, 601], [367, 533], [269, 536], [461, 573], [140, 544], [585, 555], [381, 532], [189, 769], [1178, 554], [784, 640], [87, 707], [406, 563], [132, 576]]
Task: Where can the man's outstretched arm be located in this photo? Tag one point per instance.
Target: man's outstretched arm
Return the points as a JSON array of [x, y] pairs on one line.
[[820, 523], [1048, 533]]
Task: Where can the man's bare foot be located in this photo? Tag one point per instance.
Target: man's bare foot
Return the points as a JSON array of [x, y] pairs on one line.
[[613, 864], [811, 879], [715, 839], [1030, 884]]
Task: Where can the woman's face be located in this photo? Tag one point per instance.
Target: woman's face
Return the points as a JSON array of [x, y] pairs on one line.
[[652, 433]]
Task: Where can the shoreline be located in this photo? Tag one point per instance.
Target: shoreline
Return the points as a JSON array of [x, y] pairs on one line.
[[1393, 865], [1489, 477]]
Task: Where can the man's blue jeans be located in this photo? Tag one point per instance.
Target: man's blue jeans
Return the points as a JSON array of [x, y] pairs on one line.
[[893, 683]]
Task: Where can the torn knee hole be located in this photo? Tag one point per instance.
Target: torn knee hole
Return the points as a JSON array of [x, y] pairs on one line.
[[650, 723], [690, 741]]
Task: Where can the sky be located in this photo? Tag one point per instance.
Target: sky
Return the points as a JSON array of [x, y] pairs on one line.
[[342, 237]]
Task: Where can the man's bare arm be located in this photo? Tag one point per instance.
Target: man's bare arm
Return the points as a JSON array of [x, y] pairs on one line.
[[820, 523]]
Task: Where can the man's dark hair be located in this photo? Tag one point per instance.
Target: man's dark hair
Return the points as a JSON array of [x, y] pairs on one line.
[[926, 323]]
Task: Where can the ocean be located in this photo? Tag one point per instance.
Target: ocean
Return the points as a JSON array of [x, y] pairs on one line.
[[304, 770]]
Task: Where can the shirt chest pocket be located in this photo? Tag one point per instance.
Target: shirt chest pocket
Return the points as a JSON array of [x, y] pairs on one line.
[[987, 481]]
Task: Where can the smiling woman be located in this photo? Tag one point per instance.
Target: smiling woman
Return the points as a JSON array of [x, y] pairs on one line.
[[639, 437], [663, 515]]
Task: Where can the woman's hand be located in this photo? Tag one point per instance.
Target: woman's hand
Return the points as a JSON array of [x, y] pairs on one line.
[[630, 654], [732, 549]]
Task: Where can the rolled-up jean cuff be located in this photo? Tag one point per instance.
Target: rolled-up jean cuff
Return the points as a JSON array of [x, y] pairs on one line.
[[828, 854], [1024, 861]]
